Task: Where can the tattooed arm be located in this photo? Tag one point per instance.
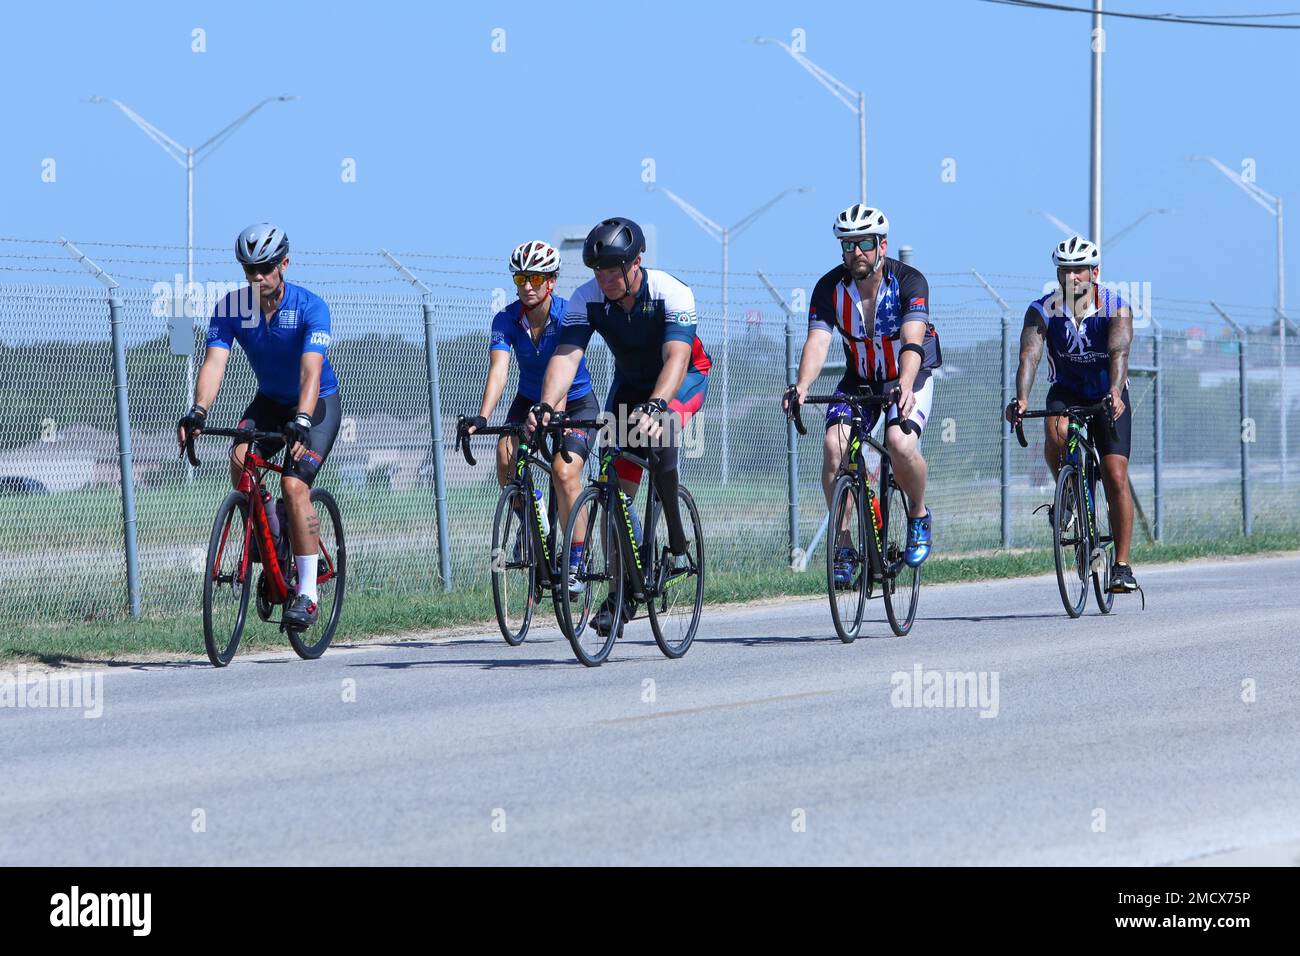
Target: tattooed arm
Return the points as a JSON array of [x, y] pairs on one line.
[[1033, 339], [1121, 339]]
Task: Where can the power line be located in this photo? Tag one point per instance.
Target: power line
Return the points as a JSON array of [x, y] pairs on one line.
[[1160, 17]]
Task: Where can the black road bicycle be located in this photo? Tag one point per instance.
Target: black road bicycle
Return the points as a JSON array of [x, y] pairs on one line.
[[617, 571], [874, 526], [1081, 539], [525, 559]]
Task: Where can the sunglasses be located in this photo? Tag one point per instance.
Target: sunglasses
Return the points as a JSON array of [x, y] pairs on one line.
[[536, 281], [866, 245], [263, 269]]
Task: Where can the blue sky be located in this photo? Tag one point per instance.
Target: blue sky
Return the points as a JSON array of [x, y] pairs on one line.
[[465, 151]]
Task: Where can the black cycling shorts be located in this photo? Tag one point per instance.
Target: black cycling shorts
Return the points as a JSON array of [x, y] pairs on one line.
[[1059, 397], [576, 442], [267, 415]]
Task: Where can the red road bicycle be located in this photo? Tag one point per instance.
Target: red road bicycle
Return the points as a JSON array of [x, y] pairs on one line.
[[242, 542]]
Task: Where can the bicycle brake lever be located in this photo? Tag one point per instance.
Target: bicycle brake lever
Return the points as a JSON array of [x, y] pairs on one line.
[[189, 449], [1020, 433]]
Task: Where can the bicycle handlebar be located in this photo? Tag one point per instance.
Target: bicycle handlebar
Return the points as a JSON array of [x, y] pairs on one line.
[[247, 436], [516, 429], [908, 427], [1080, 412]]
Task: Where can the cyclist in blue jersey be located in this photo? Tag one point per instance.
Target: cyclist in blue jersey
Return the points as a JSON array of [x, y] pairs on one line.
[[1086, 332], [284, 331], [530, 327], [647, 318], [880, 308]]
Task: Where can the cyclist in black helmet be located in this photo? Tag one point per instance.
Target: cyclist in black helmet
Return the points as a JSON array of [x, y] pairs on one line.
[[647, 318]]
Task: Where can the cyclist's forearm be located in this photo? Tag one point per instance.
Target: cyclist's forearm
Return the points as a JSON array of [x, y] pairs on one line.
[[210, 376], [560, 372], [309, 389], [813, 359], [909, 363], [1121, 339], [1031, 353], [672, 374], [493, 388]]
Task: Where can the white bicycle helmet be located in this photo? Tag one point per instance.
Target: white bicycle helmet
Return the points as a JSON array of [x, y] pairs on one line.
[[859, 220], [535, 256], [260, 244], [1076, 251]]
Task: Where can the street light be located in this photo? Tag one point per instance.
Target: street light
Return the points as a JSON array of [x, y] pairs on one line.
[[1275, 210], [188, 157], [855, 100], [1109, 243], [724, 235]]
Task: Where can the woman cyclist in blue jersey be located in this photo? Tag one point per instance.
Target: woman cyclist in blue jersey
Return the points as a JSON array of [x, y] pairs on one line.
[[529, 327]]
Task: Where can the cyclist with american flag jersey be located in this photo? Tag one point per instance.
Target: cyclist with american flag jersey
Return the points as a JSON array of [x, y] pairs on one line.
[[880, 308]]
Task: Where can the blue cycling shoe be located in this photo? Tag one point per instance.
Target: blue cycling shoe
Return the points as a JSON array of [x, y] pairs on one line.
[[846, 562], [918, 540]]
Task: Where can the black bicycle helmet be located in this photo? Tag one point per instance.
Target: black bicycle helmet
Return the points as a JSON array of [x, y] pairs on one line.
[[615, 242]]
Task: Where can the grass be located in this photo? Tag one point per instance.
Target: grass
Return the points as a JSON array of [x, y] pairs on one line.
[[376, 613]]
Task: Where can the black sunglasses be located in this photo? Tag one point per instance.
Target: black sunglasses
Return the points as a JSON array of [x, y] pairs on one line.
[[262, 268], [866, 245]]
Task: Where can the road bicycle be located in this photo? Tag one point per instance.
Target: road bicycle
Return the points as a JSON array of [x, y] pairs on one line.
[[867, 524], [242, 541]]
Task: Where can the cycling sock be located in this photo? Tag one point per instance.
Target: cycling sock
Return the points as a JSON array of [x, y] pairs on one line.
[[306, 564], [575, 553]]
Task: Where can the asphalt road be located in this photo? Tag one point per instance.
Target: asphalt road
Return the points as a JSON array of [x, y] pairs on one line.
[[1146, 737]]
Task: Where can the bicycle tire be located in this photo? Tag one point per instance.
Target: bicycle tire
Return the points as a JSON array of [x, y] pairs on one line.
[[661, 617], [847, 619], [507, 525], [1105, 540], [902, 584], [599, 568], [1070, 547], [221, 640], [331, 537]]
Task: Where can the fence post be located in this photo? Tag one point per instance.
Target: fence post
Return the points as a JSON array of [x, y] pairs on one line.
[[1244, 400], [791, 436], [1158, 426], [125, 465], [1006, 400], [435, 418]]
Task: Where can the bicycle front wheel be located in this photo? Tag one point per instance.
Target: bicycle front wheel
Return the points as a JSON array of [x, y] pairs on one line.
[[598, 572], [847, 546], [678, 598], [1070, 541], [514, 576], [902, 585], [226, 580], [331, 573], [1103, 544]]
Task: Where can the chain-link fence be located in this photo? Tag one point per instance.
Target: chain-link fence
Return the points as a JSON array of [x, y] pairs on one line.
[[62, 535]]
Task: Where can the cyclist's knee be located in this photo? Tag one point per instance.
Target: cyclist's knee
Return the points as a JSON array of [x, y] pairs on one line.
[[568, 473], [295, 491]]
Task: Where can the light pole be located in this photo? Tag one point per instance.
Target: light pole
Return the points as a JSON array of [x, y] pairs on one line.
[[188, 157], [1071, 231], [1094, 179], [1275, 210], [855, 100], [724, 235]]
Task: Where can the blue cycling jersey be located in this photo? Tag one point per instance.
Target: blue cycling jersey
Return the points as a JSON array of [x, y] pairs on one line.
[[1078, 353], [510, 331], [276, 344]]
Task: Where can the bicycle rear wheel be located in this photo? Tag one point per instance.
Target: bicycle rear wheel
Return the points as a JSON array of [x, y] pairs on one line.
[[902, 584], [226, 581], [1103, 544], [331, 575], [514, 577], [600, 573], [847, 529], [1070, 541], [678, 602]]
